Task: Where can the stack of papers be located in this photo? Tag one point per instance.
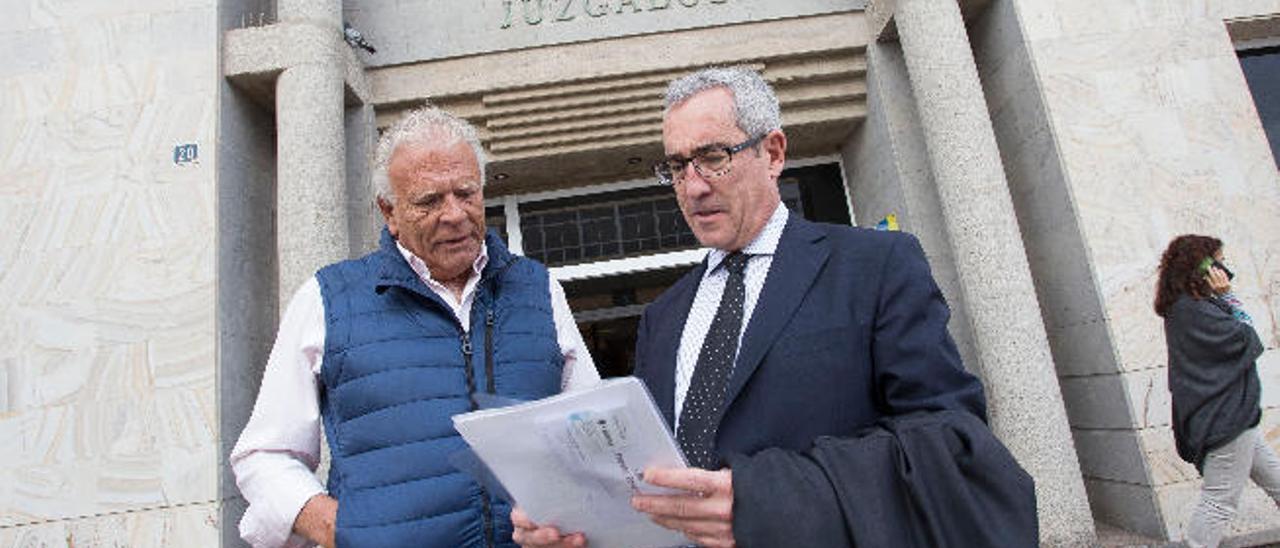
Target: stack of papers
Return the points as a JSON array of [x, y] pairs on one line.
[[575, 459]]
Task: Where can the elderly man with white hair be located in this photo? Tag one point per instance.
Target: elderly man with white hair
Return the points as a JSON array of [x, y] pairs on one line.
[[384, 349]]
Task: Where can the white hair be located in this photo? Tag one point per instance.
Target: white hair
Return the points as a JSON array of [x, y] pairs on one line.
[[755, 107], [423, 125]]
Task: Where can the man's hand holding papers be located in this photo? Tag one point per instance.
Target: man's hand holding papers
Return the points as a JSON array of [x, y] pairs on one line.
[[703, 510], [530, 535]]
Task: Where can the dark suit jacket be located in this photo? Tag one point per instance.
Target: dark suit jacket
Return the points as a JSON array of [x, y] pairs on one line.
[[929, 480], [849, 327]]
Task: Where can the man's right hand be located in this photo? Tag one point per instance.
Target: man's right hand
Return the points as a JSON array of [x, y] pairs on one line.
[[317, 520], [530, 535]]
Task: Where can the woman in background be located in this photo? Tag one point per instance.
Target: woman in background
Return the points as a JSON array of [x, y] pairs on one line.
[[1213, 377]]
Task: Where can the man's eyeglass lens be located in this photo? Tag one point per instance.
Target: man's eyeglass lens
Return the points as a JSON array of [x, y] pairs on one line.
[[708, 163]]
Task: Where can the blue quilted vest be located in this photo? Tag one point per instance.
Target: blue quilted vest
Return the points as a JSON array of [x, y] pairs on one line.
[[397, 365]]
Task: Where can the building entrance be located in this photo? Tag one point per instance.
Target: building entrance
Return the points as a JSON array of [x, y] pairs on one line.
[[608, 309]]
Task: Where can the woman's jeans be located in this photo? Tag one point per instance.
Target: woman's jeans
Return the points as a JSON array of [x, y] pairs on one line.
[[1226, 469]]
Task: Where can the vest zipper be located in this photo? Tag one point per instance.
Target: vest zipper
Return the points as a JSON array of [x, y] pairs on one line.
[[489, 385], [486, 510], [471, 376], [488, 351]]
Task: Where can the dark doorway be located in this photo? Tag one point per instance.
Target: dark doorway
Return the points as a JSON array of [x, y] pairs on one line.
[[608, 313], [816, 193]]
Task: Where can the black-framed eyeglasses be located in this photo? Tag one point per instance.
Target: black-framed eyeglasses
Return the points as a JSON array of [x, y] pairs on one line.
[[709, 162]]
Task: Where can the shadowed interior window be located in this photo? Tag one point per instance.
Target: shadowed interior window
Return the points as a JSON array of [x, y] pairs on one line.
[[495, 218], [1262, 70], [597, 227], [647, 220]]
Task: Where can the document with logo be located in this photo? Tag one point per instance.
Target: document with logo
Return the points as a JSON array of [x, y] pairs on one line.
[[574, 460]]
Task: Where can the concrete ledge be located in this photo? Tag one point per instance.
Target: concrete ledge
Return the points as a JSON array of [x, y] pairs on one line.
[[618, 57], [1247, 29], [882, 28], [252, 58], [550, 135], [880, 24], [1131, 508], [1128, 400], [1268, 537]]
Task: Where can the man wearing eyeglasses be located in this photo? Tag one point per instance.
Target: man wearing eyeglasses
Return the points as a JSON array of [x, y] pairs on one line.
[[773, 358]]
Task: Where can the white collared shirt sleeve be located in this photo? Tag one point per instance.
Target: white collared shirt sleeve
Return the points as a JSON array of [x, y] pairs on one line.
[[579, 369], [275, 458]]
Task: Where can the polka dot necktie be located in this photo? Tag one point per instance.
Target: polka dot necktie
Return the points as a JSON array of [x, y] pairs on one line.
[[702, 404]]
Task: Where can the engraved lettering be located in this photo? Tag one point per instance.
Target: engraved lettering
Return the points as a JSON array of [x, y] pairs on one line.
[[604, 8], [537, 11], [506, 20], [632, 3], [534, 12], [565, 6]]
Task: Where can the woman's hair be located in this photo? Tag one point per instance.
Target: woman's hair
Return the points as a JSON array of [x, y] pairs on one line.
[[1180, 270]]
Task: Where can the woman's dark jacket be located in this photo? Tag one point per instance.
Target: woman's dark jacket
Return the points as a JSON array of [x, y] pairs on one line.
[[1212, 375]]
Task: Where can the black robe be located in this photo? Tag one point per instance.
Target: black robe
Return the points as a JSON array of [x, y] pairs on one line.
[[926, 479]]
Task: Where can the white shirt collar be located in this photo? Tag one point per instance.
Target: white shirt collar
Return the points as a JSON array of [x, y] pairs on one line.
[[424, 273], [765, 243]]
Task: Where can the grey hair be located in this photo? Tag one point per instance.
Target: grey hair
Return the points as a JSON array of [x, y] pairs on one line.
[[423, 125], [755, 107]]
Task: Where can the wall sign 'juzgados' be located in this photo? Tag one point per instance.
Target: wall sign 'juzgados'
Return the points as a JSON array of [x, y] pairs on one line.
[[409, 31], [537, 12]]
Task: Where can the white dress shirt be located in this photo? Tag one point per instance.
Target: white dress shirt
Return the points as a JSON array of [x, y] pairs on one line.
[[707, 299], [276, 456]]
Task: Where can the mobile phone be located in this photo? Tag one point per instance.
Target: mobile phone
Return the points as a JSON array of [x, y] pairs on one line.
[[1210, 262], [1219, 264]]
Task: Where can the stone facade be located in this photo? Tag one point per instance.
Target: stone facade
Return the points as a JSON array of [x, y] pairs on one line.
[[108, 404]]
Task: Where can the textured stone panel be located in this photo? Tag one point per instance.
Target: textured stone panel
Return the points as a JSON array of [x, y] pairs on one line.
[[1120, 401], [192, 525], [1235, 9], [1128, 506], [112, 455], [1114, 455], [107, 366], [29, 51]]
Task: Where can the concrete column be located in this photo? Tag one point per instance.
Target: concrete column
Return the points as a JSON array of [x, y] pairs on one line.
[[1025, 402], [311, 193]]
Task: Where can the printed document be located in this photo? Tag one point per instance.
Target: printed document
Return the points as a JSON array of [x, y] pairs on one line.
[[574, 460]]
